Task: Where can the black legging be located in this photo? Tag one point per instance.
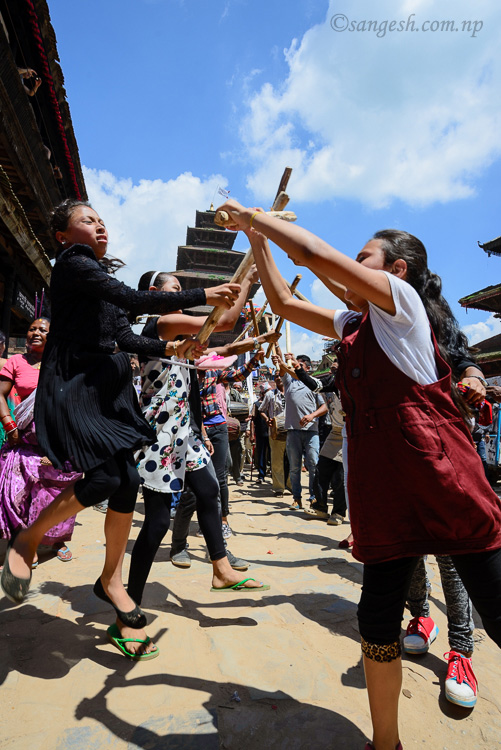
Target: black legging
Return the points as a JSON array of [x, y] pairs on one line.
[[385, 587], [218, 435], [116, 479], [157, 520]]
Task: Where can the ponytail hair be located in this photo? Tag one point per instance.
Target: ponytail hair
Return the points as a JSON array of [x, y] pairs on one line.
[[452, 343]]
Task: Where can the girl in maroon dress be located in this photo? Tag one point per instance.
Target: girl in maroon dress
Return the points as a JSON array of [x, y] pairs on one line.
[[415, 481]]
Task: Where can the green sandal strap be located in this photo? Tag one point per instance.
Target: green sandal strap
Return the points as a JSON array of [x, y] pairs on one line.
[[132, 640], [241, 584]]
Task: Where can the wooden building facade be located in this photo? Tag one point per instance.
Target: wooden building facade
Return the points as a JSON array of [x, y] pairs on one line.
[[39, 161], [488, 355]]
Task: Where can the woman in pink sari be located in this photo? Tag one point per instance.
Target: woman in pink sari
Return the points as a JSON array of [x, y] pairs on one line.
[[28, 481]]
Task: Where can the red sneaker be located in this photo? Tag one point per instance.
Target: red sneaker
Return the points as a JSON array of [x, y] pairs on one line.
[[460, 683], [420, 634]]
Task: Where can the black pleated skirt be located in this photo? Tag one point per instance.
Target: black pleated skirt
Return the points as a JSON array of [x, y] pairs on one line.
[[86, 408]]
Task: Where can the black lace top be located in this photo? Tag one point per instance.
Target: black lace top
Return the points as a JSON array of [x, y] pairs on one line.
[[86, 409], [88, 305]]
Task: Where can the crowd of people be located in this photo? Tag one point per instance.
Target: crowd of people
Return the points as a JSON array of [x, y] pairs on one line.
[[383, 440]]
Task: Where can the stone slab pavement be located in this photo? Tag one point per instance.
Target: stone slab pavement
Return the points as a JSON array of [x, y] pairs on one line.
[[290, 655]]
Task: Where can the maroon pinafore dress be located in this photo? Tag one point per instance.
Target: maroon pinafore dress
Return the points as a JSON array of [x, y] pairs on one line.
[[416, 484]]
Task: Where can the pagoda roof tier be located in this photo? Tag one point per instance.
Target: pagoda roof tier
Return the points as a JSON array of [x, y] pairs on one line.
[[205, 237], [195, 279], [216, 259], [489, 362], [493, 247], [198, 279], [206, 219], [488, 299]]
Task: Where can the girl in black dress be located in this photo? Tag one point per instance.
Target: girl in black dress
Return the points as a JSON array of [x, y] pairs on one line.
[[86, 410]]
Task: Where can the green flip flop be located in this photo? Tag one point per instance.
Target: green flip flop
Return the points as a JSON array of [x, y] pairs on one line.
[[115, 638], [240, 586]]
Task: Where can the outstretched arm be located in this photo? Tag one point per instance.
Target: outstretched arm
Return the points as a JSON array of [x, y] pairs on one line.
[[309, 250], [282, 302], [176, 324], [246, 345]]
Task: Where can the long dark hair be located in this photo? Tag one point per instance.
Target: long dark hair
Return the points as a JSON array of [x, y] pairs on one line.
[[452, 343], [59, 223]]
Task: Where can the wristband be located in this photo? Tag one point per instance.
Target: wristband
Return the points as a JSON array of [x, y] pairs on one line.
[[10, 426], [252, 218], [257, 344], [478, 377]]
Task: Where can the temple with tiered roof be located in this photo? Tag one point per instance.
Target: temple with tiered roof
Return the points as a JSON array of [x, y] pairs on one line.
[[208, 259]]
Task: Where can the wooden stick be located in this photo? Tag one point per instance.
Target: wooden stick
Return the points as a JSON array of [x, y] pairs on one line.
[[280, 202], [250, 325], [280, 323], [215, 316], [284, 182], [253, 318], [223, 219], [300, 296], [287, 336], [267, 323]]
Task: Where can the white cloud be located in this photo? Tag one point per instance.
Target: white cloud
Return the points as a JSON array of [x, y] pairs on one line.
[[146, 222], [321, 296], [304, 342], [483, 330], [408, 115]]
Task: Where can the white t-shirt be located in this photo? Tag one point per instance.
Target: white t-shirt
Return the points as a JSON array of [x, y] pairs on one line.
[[404, 337]]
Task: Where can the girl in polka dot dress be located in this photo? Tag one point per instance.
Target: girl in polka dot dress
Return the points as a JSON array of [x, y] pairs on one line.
[[170, 402]]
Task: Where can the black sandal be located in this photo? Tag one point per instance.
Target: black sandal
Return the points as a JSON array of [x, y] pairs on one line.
[[13, 587], [135, 619]]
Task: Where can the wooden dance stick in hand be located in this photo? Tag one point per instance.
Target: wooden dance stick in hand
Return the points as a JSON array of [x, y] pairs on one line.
[[215, 316], [223, 219], [251, 324], [281, 320], [253, 318]]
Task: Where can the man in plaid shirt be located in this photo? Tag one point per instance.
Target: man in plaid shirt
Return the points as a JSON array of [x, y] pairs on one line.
[[214, 419]]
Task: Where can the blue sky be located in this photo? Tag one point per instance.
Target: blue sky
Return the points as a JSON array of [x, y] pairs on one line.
[[171, 98]]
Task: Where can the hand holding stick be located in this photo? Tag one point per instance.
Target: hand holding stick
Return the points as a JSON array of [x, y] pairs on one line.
[[223, 219], [204, 333]]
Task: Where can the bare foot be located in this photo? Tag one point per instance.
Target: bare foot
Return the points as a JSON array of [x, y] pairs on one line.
[[225, 576], [135, 648]]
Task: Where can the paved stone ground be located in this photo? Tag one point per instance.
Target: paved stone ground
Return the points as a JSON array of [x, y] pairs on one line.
[[291, 654]]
